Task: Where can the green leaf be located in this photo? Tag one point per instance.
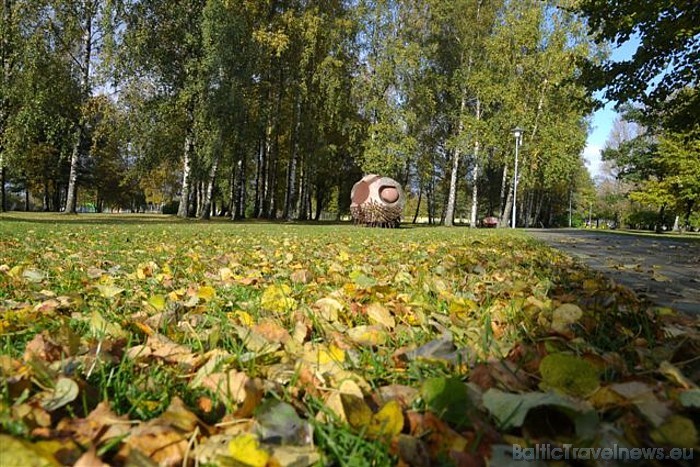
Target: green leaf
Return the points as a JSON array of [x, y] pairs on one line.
[[569, 374], [279, 423], [448, 398], [65, 392], [510, 410], [690, 398]]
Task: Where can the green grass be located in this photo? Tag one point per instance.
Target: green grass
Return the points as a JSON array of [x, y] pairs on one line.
[[492, 290]]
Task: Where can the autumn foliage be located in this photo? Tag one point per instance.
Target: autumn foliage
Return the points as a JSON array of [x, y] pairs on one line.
[[145, 341]]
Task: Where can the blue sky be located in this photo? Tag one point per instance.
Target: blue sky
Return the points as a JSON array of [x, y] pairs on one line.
[[603, 119]]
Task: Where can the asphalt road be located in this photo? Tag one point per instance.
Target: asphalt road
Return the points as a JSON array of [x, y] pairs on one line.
[[666, 271]]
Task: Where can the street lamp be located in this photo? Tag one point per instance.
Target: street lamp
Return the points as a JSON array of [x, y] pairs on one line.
[[518, 133]]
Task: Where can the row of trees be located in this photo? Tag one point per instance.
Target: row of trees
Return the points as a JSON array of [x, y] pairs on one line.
[[264, 108], [653, 152]]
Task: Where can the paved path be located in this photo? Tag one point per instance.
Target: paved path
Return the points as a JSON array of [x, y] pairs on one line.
[[664, 270]]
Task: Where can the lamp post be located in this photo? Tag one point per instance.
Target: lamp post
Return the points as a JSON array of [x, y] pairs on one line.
[[518, 133]]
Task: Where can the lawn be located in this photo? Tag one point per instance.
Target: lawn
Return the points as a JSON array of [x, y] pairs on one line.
[[146, 340]]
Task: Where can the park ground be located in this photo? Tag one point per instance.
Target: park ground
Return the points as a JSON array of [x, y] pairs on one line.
[[152, 340]]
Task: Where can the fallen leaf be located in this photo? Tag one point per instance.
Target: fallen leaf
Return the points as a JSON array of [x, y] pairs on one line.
[[675, 375], [569, 374], [64, 392], [643, 397], [206, 293], [16, 452], [295, 456], [564, 316], [109, 291], [448, 398], [677, 431], [279, 423], [510, 410], [690, 398], [163, 444], [387, 422], [34, 275], [246, 450], [328, 308], [157, 302], [380, 315], [368, 335], [277, 299], [301, 276], [90, 459], [356, 410]]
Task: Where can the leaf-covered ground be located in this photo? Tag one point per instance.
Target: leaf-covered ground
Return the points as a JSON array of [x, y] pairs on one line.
[[142, 341]]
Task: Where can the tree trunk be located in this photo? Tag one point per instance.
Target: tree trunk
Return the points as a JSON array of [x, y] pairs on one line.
[[79, 136], [431, 200], [265, 192], [3, 198], [209, 192], [420, 197], [504, 183], [659, 228], [260, 176], [688, 212], [319, 203], [475, 187], [507, 209], [538, 210], [183, 209], [303, 191], [452, 194], [289, 194], [235, 166], [528, 207]]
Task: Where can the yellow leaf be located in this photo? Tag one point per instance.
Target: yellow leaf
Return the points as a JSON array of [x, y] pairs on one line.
[[19, 452], [109, 291], [225, 274], [381, 315], [328, 308], [565, 315], [357, 412], [387, 422], [100, 326], [368, 335], [276, 298], [206, 293], [324, 355], [157, 302], [242, 317], [246, 450]]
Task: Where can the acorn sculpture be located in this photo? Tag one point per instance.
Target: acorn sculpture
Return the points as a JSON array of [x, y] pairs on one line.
[[377, 201]]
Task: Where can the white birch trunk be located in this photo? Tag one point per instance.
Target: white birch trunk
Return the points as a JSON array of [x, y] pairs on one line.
[[452, 196], [72, 195], [475, 187], [183, 209]]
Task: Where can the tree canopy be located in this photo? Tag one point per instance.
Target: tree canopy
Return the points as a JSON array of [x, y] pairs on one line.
[[664, 64], [274, 109]]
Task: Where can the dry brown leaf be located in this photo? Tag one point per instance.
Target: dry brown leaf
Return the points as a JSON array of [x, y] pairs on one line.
[[301, 276], [229, 387], [272, 331], [171, 352], [163, 444], [99, 426], [43, 347], [90, 459]]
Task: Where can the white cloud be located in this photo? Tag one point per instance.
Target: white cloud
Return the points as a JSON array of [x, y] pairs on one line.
[[592, 155]]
